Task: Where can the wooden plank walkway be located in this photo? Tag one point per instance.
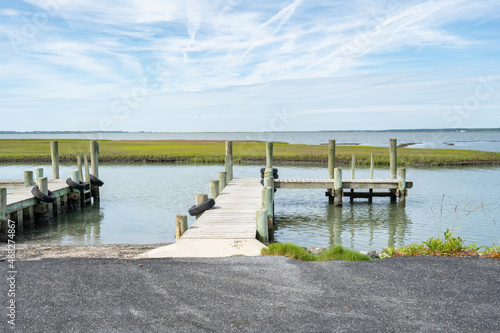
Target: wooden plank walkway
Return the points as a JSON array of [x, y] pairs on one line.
[[390, 184], [233, 216], [21, 198]]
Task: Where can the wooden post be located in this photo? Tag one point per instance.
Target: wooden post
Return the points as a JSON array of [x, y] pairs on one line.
[[393, 144], [181, 223], [75, 195], [229, 161], [94, 158], [86, 165], [331, 158], [401, 193], [222, 176], [337, 190], [269, 156], [54, 154], [353, 169], [269, 183], [262, 229], [38, 173], [3, 210], [80, 167], [28, 178], [213, 189], [200, 198], [372, 167], [45, 212]]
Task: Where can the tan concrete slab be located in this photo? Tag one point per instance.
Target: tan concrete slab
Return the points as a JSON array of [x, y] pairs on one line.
[[207, 248]]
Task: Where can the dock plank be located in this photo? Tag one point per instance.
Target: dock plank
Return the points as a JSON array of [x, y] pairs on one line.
[[346, 184]]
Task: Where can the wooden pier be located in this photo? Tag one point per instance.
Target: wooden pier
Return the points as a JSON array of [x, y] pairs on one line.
[[19, 204]]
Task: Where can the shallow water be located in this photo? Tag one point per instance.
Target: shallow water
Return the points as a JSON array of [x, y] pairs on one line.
[[139, 203]]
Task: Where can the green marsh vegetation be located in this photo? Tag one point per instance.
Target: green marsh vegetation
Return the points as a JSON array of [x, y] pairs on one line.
[[244, 152], [293, 251]]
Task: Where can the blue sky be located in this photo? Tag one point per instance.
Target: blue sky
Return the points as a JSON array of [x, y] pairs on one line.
[[234, 65]]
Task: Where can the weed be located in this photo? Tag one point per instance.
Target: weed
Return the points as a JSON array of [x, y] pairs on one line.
[[293, 251]]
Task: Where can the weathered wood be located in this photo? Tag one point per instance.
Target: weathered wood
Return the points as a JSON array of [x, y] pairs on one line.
[[80, 167], [353, 170], [269, 156], [222, 176], [28, 178], [86, 165], [181, 223], [200, 198], [229, 161], [261, 222], [76, 203], [393, 144], [94, 158], [213, 189], [401, 192], [45, 212], [337, 188], [331, 158], [54, 154], [23, 199], [38, 173], [372, 167], [346, 184], [3, 210]]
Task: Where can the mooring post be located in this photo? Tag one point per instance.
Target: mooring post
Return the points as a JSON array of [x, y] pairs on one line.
[[75, 196], [86, 165], [3, 210], [222, 176], [213, 189], [94, 162], [45, 211], [337, 190], [393, 155], [229, 161], [181, 225], [353, 170], [269, 183], [372, 167], [262, 229], [401, 192], [331, 167], [79, 166], [200, 198], [38, 173], [54, 154], [28, 178], [269, 156]]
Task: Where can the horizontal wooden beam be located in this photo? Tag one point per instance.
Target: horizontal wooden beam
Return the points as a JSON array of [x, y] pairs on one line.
[[388, 184]]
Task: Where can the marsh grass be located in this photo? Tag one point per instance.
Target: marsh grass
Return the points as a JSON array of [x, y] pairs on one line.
[[244, 151], [293, 251]]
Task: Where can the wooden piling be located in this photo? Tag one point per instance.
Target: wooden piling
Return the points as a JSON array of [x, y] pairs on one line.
[[54, 154], [269, 156], [94, 163], [3, 210], [353, 170], [337, 190], [262, 229], [372, 167], [86, 165], [75, 195], [200, 198], [44, 210], [222, 176], [331, 158], [229, 161], [80, 167], [393, 144], [401, 192], [181, 225], [28, 178], [213, 189], [38, 173]]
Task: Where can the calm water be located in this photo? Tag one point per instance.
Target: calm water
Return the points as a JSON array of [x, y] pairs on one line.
[[487, 141], [139, 204]]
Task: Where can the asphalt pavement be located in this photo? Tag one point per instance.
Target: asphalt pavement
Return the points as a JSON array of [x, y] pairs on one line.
[[253, 294]]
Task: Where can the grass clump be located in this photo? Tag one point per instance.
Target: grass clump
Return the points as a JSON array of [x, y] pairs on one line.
[[294, 251], [450, 245]]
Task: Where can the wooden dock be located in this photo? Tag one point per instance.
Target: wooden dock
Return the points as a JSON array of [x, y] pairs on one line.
[[390, 184], [233, 216]]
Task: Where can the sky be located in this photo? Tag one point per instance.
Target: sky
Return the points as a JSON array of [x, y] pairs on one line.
[[234, 65]]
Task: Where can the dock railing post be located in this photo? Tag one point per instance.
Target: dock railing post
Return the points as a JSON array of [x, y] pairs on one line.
[[200, 198], [54, 154], [229, 161], [401, 192], [393, 155], [337, 190], [213, 189], [3, 210], [262, 229], [222, 176], [28, 178], [181, 224]]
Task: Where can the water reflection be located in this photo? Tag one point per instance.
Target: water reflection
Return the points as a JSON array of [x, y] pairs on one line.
[[76, 227]]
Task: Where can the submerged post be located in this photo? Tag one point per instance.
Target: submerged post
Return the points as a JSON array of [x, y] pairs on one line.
[[229, 161], [181, 224], [401, 192], [262, 229], [200, 198], [269, 156], [393, 157], [337, 190], [222, 176], [28, 178], [54, 154], [213, 187]]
